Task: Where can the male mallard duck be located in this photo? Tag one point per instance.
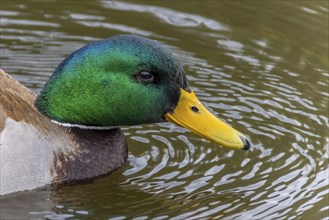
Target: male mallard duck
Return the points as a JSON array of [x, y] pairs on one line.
[[69, 132]]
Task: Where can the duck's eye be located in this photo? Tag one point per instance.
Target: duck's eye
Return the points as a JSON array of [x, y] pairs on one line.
[[145, 76]]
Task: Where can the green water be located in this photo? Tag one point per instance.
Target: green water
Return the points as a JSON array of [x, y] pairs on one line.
[[262, 66]]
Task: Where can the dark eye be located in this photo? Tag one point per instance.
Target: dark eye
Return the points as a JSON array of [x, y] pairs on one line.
[[145, 76]]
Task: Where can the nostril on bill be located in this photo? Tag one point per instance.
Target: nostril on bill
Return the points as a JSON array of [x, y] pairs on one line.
[[195, 109]]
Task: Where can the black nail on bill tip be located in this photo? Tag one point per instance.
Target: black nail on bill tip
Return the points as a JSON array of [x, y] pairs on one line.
[[246, 143]]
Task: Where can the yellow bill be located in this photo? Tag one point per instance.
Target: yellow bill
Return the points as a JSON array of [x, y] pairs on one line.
[[191, 114]]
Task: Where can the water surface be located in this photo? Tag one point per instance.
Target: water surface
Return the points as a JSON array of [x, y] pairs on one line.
[[260, 66]]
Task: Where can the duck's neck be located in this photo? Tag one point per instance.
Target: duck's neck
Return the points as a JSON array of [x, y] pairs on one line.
[[95, 153]]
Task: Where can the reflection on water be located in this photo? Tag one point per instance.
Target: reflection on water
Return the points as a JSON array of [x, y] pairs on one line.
[[262, 67]]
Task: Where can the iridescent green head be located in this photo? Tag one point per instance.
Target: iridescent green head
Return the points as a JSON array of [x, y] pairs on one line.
[[123, 80], [128, 80]]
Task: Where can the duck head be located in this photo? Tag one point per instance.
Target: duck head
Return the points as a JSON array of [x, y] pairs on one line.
[[128, 80]]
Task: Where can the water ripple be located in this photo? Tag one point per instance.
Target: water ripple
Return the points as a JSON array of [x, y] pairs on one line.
[[169, 16]]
